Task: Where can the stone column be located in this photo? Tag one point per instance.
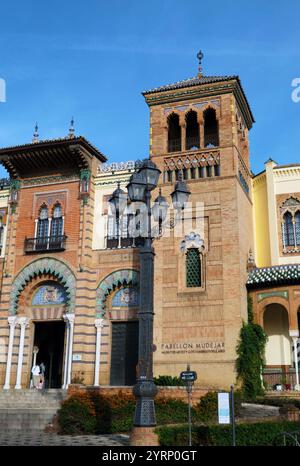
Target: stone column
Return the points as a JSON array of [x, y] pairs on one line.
[[295, 340], [183, 136], [294, 334], [99, 325], [12, 320], [71, 319], [23, 322], [66, 358], [201, 129]]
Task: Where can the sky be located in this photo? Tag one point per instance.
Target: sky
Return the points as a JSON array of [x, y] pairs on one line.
[[91, 60]]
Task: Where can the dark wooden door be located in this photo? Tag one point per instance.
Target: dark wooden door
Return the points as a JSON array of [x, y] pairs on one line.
[[124, 353]]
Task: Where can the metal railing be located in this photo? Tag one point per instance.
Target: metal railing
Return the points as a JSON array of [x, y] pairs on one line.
[[48, 243], [279, 380], [113, 242], [174, 145], [192, 142], [211, 140]]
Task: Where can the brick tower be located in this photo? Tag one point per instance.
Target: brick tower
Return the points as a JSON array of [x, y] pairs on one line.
[[199, 131]]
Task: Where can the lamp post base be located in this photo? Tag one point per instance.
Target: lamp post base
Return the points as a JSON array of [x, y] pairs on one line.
[[144, 437]]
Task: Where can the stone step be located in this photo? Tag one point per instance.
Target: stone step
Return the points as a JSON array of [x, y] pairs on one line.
[[25, 419], [26, 404], [29, 410]]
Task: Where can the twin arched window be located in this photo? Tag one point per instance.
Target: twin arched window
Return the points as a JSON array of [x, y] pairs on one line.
[[46, 226], [291, 229], [192, 131]]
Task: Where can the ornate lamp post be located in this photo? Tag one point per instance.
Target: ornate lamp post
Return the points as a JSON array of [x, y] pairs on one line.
[[139, 189]]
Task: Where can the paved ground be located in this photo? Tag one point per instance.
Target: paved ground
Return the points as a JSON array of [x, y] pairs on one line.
[[250, 411], [15, 438]]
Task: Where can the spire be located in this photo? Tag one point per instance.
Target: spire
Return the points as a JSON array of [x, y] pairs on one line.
[[71, 129], [200, 57], [35, 134]]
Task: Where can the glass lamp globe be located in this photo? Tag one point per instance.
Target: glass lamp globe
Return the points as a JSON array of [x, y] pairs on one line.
[[136, 188], [150, 173], [180, 195], [118, 200], [160, 208]]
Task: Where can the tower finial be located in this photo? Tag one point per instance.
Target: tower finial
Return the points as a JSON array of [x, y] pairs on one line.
[[35, 134], [71, 129], [200, 57]]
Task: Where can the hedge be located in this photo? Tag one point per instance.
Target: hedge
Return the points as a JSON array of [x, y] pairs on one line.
[[93, 413], [256, 434]]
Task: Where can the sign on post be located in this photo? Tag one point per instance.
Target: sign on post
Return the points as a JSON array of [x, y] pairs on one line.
[[223, 408], [188, 376]]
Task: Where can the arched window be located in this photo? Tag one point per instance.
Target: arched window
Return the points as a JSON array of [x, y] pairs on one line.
[[174, 133], [193, 268], [288, 229], [43, 223], [57, 222], [297, 227], [211, 128], [192, 131]]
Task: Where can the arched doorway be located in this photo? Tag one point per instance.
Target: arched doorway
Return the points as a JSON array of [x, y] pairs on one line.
[[122, 308], [276, 326], [48, 303]]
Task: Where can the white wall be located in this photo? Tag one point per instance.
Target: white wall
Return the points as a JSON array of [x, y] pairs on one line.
[[276, 326]]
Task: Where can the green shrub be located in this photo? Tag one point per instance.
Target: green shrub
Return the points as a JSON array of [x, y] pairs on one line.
[[168, 381], [256, 434], [75, 417], [250, 351], [91, 412], [207, 408], [172, 411]]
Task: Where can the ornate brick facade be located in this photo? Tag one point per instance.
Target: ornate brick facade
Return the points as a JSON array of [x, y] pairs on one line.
[[196, 321]]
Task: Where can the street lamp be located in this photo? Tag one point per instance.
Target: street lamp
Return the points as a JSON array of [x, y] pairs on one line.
[[139, 189], [180, 195]]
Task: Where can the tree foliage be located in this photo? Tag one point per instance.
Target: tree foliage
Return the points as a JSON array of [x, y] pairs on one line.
[[251, 351]]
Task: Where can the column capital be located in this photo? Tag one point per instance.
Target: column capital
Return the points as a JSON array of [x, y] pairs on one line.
[[12, 321], [69, 317], [99, 323], [23, 321]]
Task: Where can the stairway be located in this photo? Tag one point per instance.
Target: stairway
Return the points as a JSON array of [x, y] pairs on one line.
[[29, 410]]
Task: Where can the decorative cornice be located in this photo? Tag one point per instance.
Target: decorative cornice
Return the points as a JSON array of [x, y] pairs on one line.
[[45, 180], [201, 90], [129, 165]]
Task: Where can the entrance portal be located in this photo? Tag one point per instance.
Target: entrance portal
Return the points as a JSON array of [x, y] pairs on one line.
[[49, 338], [124, 353]]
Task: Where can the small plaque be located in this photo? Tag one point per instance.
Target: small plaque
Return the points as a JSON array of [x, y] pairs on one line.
[[76, 357]]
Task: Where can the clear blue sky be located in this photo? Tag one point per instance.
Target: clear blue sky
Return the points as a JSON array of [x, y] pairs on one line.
[[92, 59]]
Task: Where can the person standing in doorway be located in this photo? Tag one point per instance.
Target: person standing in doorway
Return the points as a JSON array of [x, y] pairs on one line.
[[42, 374], [35, 371]]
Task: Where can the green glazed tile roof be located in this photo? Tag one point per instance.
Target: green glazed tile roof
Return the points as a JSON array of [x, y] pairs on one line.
[[277, 275]]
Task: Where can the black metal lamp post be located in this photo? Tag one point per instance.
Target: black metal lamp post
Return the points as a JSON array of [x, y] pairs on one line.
[[139, 189]]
